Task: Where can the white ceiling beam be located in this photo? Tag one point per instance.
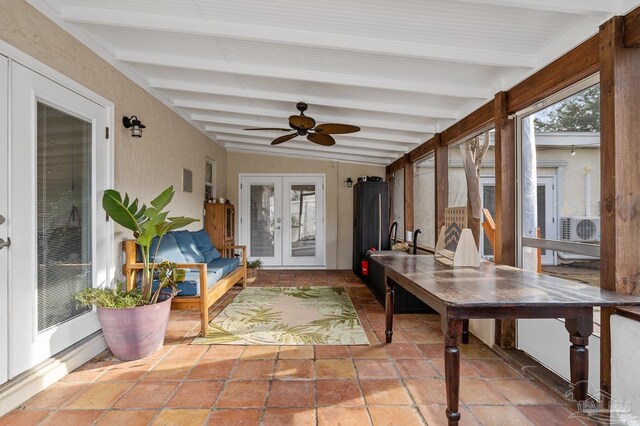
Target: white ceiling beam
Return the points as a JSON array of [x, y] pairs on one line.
[[235, 124], [307, 151], [192, 63], [296, 37], [576, 7], [343, 140], [304, 144], [185, 86], [324, 118], [287, 152]]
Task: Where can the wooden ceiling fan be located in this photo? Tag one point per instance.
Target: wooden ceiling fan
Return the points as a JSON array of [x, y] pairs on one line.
[[306, 126]]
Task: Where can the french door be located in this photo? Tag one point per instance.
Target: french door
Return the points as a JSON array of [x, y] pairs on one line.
[[60, 242], [282, 219]]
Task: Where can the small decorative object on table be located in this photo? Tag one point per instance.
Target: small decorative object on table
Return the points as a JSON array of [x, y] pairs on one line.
[[456, 245]]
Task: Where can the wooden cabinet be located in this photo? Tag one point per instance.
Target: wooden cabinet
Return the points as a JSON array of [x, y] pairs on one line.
[[219, 221]]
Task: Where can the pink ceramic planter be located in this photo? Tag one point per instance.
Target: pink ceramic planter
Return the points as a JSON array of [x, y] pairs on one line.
[[135, 333]]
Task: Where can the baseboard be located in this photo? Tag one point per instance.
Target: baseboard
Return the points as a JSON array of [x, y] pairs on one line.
[[21, 388]]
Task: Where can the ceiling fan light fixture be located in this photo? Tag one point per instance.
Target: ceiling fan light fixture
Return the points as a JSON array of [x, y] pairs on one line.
[[306, 126]]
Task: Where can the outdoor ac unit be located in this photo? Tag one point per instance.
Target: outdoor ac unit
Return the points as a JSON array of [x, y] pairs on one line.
[[580, 228]]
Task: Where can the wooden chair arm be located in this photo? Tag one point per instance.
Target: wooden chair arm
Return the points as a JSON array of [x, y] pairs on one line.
[[244, 252]]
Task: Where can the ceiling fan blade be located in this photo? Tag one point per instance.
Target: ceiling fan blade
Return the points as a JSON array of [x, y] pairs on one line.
[[321, 139], [284, 138], [336, 129], [301, 122], [268, 128]]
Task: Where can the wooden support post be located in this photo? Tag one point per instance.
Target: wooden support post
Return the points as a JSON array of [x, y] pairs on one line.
[[505, 239], [442, 182], [619, 180], [408, 196]]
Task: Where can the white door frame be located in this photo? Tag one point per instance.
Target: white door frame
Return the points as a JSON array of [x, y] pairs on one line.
[[107, 241], [4, 228], [29, 346], [243, 235]]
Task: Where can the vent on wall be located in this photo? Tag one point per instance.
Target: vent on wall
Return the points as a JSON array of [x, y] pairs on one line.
[[577, 228]]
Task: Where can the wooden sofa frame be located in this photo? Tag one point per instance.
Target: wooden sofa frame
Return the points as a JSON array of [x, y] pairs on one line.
[[192, 303]]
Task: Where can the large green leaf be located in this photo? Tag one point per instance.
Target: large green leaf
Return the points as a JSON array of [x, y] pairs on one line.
[[117, 210], [163, 200], [173, 224]]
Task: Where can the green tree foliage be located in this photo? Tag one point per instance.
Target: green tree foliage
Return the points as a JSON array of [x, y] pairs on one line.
[[579, 113]]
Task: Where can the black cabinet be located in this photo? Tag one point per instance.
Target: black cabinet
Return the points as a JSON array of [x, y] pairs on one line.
[[370, 220]]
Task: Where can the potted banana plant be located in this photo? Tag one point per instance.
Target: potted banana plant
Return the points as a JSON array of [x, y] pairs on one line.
[[134, 322]]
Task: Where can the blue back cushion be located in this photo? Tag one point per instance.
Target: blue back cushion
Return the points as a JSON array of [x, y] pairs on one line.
[[204, 244], [168, 250], [188, 247]]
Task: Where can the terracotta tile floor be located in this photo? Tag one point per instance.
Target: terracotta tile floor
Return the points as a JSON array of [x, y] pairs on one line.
[[397, 384]]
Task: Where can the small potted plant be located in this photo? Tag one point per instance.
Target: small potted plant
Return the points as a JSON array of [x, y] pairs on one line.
[[252, 269], [134, 322]]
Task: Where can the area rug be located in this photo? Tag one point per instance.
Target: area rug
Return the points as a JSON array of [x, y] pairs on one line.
[[287, 316]]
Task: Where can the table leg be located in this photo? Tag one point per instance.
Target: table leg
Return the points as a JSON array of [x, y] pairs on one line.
[[389, 301], [452, 330], [579, 331]]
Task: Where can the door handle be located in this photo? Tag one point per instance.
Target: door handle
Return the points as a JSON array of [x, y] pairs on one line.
[[4, 243], [2, 219]]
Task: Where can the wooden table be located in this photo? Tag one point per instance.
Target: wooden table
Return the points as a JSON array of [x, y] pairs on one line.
[[500, 292]]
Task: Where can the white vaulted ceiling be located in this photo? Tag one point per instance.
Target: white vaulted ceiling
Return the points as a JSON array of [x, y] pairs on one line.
[[401, 70]]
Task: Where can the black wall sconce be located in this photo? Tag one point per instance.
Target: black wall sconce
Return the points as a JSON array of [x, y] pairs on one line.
[[349, 182], [134, 124]]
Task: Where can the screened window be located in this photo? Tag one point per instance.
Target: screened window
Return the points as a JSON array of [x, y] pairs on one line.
[[560, 189], [209, 176], [397, 202], [457, 178], [424, 206]]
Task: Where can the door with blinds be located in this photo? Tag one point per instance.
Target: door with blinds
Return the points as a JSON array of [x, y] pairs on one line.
[[59, 235]]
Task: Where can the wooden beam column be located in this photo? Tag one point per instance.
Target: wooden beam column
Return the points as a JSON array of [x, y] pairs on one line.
[[620, 179], [505, 170], [408, 196], [442, 182]]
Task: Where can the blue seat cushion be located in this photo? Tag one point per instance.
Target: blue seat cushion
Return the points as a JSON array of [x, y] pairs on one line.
[[224, 264], [188, 247], [190, 286], [168, 250], [215, 270], [205, 246]]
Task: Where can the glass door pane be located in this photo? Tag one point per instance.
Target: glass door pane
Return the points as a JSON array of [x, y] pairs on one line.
[[263, 221], [63, 214], [303, 220]]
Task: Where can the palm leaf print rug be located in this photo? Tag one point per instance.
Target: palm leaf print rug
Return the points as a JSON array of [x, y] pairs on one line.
[[287, 316]]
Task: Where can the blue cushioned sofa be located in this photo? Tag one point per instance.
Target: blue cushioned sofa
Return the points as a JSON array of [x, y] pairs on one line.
[[208, 273]]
